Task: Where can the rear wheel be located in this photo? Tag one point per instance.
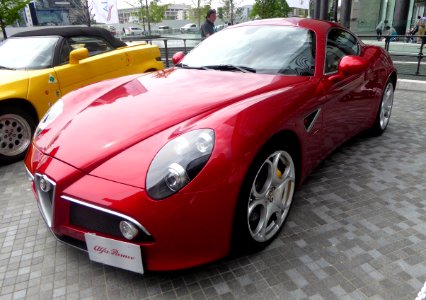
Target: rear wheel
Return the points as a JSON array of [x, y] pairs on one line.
[[16, 131], [265, 200], [385, 110]]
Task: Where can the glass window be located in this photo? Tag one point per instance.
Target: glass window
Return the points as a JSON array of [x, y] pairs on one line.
[[28, 52], [339, 44], [271, 49], [95, 45]]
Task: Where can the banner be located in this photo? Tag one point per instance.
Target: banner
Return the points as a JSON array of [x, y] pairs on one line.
[[104, 11], [298, 3]]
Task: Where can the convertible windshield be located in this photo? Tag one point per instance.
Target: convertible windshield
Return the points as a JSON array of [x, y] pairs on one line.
[[264, 49], [27, 53]]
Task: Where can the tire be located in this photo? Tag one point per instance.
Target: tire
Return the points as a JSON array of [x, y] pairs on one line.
[[384, 112], [16, 132], [265, 200]]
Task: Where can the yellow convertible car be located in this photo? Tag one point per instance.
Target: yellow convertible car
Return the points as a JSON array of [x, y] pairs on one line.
[[39, 67]]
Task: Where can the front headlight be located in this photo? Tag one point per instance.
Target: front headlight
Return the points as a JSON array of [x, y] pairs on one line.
[[50, 116], [178, 162]]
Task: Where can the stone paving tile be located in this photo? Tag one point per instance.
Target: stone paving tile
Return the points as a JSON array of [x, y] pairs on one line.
[[357, 231]]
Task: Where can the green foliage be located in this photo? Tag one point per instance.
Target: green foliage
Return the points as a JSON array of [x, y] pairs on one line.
[[157, 12], [154, 14], [220, 13], [270, 9], [231, 11], [10, 12], [199, 14]]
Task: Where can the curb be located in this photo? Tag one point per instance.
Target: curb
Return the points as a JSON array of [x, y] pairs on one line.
[[411, 85]]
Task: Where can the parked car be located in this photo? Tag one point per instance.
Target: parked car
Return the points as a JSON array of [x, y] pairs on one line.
[[165, 29], [110, 28], [38, 67], [133, 30], [191, 27], [203, 158], [219, 27]]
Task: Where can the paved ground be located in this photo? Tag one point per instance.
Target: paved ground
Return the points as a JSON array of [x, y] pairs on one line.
[[357, 231]]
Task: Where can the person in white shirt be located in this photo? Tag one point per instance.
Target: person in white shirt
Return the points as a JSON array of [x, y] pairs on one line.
[[379, 29]]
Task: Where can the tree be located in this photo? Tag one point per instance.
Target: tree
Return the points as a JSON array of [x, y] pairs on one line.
[[231, 11], [157, 12], [154, 13], [220, 13], [270, 9], [10, 11], [200, 11]]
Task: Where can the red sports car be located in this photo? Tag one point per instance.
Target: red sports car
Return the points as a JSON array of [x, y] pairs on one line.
[[177, 168]]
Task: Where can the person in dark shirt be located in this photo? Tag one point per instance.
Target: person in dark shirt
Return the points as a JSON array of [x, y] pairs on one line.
[[207, 29]]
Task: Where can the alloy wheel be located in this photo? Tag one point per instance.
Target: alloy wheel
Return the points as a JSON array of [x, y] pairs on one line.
[[271, 195], [386, 106], [15, 134]]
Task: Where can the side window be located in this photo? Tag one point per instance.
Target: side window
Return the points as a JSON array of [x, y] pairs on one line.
[[301, 61], [65, 53], [95, 45], [339, 44]]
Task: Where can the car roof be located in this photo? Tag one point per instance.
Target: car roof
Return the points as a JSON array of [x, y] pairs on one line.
[[73, 32]]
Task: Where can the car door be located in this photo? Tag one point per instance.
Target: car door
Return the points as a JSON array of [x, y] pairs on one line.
[[43, 89], [104, 62], [344, 110]]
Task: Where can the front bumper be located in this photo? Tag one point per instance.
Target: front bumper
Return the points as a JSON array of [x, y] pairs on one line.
[[182, 231]]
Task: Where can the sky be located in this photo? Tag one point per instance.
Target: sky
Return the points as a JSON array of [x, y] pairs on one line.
[[215, 3]]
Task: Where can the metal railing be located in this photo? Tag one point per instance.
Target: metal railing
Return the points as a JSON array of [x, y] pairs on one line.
[[402, 41], [169, 45]]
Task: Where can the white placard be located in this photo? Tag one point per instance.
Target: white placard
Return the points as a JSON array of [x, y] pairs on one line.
[[114, 253], [104, 11]]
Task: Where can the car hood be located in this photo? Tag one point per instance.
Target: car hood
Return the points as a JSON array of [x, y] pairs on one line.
[[104, 119]]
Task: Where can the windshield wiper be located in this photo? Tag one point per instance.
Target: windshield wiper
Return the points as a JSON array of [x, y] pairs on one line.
[[183, 66], [6, 68], [243, 69]]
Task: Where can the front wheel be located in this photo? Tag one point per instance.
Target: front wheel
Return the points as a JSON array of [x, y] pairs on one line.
[[265, 200], [16, 131], [385, 110]]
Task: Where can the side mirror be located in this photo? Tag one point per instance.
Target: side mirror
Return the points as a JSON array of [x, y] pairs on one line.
[[177, 57], [77, 55], [351, 65]]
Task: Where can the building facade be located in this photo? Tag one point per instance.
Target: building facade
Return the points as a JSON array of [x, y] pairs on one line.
[[362, 16], [54, 12], [173, 12], [177, 12], [401, 14]]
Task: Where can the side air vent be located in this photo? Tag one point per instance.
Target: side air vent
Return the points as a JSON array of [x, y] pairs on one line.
[[310, 120]]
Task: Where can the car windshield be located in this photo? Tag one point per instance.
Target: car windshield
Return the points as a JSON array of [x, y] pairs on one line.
[[27, 52], [264, 49]]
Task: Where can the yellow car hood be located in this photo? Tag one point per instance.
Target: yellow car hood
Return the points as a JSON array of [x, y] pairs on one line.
[[13, 83], [9, 76]]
